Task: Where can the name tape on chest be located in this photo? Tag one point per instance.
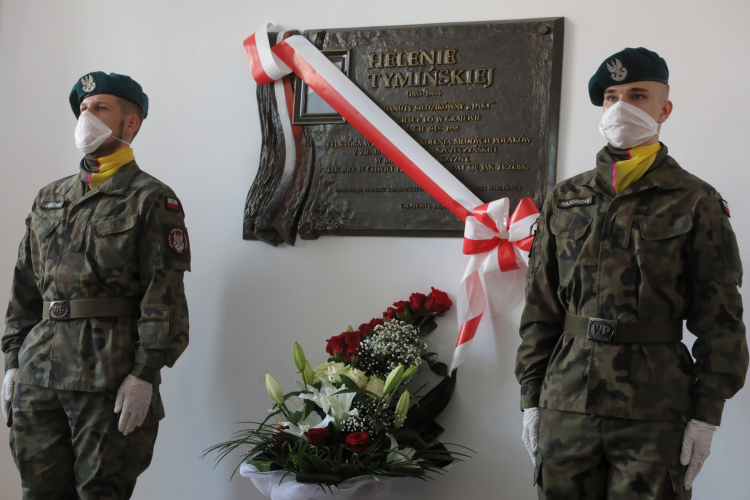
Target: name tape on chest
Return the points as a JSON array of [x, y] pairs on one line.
[[173, 204], [575, 202], [52, 205]]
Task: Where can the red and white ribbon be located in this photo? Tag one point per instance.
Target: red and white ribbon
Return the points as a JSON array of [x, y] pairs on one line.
[[285, 103], [497, 242], [486, 224]]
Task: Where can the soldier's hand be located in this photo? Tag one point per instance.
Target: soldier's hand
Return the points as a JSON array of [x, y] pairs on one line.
[[530, 434], [133, 400], [696, 447], [6, 394]]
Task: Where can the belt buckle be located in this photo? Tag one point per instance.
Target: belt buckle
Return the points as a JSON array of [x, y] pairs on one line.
[[59, 310], [602, 330]]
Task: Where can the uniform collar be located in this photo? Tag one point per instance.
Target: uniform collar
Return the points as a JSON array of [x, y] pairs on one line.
[[662, 174], [73, 187]]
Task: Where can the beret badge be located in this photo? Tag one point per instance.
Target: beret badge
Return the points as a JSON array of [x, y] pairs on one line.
[[618, 72], [88, 84]]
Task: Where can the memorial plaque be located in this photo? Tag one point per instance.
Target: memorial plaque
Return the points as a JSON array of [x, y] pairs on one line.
[[482, 98]]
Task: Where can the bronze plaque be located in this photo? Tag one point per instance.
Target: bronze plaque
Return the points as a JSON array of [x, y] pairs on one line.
[[483, 98]]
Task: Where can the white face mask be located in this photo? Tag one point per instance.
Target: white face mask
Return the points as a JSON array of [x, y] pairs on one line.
[[91, 133], [627, 126]]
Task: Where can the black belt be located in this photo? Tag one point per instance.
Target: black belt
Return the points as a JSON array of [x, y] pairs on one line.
[[91, 308], [609, 330]]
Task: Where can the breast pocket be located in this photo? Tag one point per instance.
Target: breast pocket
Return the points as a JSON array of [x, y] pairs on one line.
[[43, 231], [113, 247], [569, 230], [661, 243]]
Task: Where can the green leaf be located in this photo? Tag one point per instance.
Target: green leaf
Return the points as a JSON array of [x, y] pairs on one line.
[[310, 407], [427, 328], [358, 391], [262, 466], [431, 405], [408, 316], [439, 368], [441, 448], [432, 431], [349, 383]]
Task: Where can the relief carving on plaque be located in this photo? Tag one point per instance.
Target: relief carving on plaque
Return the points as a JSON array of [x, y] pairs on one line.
[[482, 98]]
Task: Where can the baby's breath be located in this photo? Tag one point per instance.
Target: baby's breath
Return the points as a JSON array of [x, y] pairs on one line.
[[389, 345], [364, 422]]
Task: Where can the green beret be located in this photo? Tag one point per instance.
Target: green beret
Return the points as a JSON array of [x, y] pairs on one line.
[[99, 82], [627, 66]]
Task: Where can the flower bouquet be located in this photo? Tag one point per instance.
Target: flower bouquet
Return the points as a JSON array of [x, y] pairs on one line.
[[355, 422]]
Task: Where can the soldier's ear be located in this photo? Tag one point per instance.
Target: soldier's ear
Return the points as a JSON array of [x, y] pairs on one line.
[[132, 123], [666, 110]]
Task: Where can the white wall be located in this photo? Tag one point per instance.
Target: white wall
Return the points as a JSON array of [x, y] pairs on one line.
[[248, 301]]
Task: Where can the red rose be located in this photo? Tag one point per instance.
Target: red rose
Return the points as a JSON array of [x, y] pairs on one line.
[[390, 314], [417, 301], [352, 338], [357, 442], [351, 351], [375, 322], [401, 306], [438, 302], [317, 437], [279, 435], [364, 329], [336, 344]]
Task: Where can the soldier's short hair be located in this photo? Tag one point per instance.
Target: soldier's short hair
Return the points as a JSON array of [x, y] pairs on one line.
[[130, 108]]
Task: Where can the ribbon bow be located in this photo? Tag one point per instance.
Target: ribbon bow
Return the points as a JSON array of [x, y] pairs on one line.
[[495, 241], [505, 240]]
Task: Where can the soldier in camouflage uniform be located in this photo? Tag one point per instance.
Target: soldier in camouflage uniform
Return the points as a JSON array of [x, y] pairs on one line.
[[612, 275], [97, 308]]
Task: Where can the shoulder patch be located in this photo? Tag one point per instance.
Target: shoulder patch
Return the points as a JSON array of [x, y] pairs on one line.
[[575, 202], [178, 241], [725, 207], [52, 205], [172, 203]]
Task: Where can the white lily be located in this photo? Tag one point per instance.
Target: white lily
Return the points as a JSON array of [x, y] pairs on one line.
[[295, 402], [311, 421], [333, 403], [401, 457]]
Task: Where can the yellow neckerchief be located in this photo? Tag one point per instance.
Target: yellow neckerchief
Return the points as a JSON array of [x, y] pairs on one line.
[[625, 172], [108, 166]]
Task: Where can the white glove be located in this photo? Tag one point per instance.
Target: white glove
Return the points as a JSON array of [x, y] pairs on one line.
[[530, 434], [696, 447], [133, 398], [6, 394]]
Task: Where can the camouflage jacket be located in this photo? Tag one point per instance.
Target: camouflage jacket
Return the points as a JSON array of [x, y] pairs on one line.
[[116, 240], [662, 249]]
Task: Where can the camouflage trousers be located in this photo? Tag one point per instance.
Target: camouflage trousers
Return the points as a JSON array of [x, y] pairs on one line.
[[591, 457], [66, 445]]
